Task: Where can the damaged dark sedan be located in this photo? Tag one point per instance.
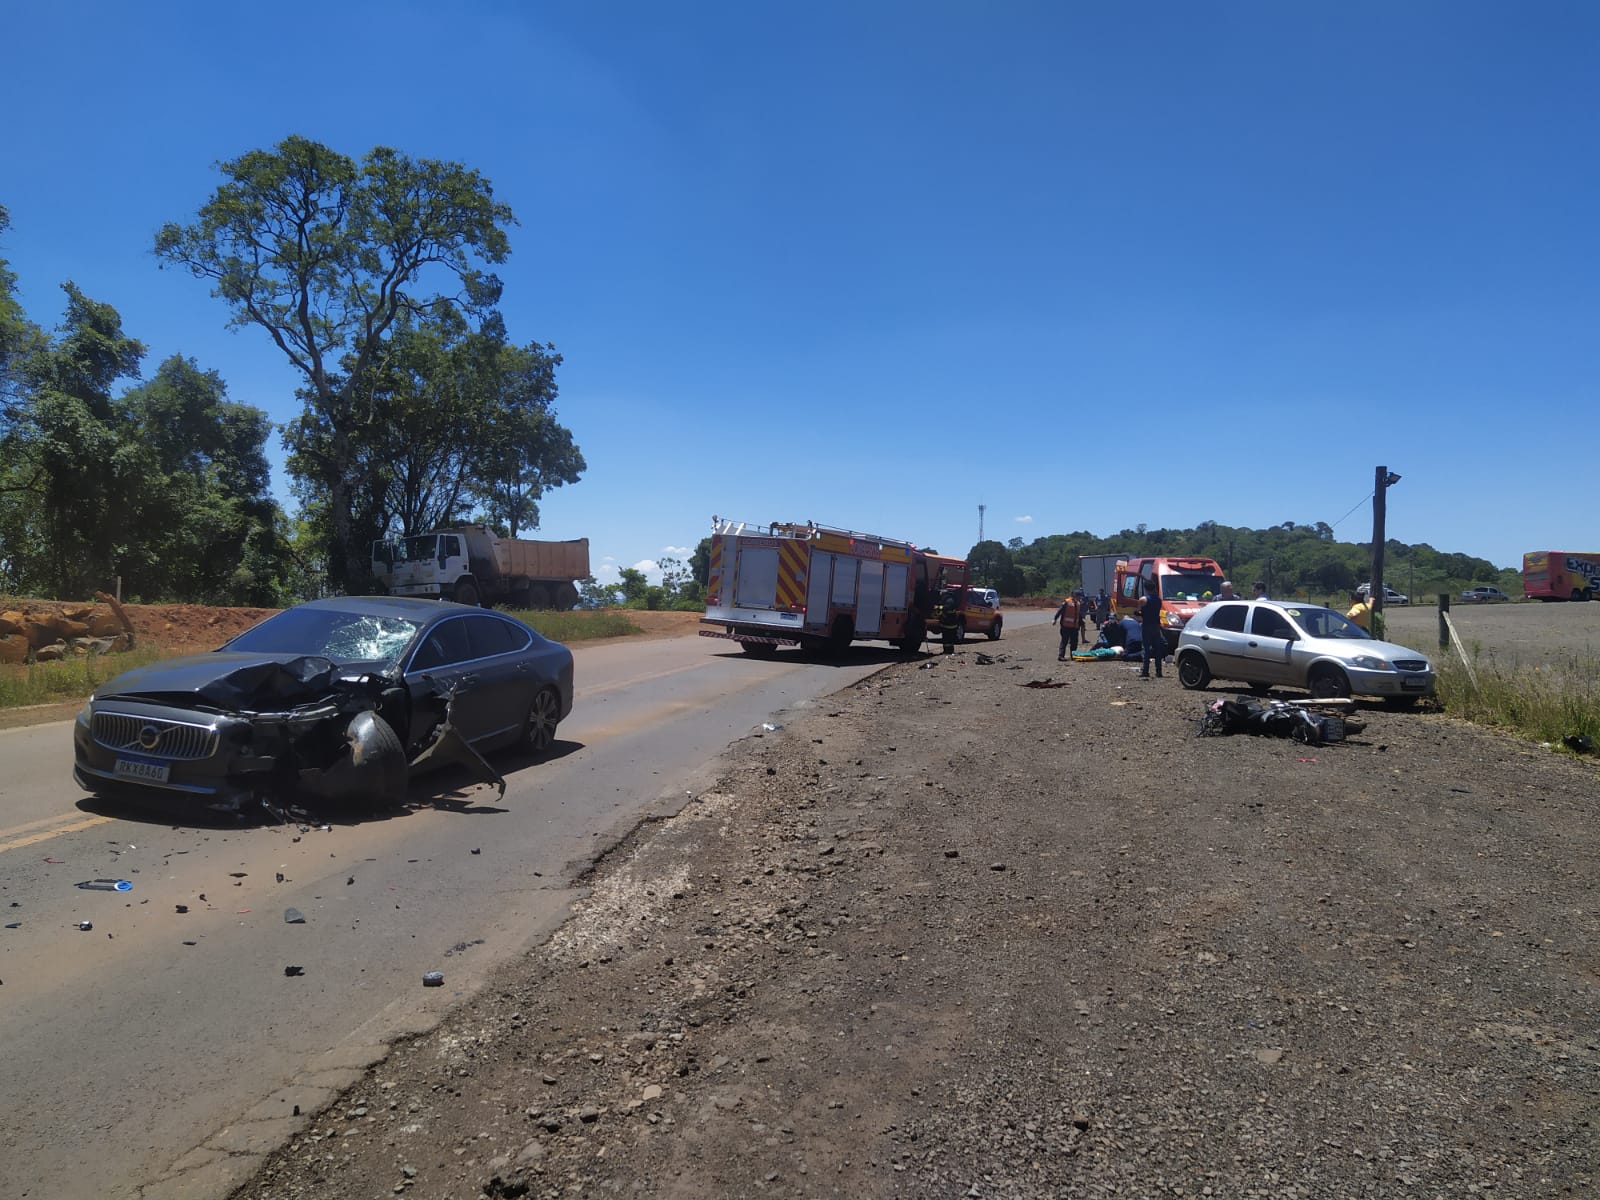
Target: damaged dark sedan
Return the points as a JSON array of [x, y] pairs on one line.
[[338, 699]]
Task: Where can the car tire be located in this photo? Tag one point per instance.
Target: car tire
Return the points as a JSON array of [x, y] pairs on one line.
[[1193, 672], [1328, 683], [994, 630], [466, 593], [759, 649], [539, 726]]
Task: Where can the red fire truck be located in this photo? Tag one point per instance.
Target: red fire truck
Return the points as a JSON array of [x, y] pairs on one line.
[[1560, 575], [820, 588]]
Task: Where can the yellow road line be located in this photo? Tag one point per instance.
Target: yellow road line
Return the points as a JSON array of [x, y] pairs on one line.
[[46, 834], [636, 680], [41, 823]]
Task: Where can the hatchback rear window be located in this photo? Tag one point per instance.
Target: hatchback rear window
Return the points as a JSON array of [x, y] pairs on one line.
[[1227, 617]]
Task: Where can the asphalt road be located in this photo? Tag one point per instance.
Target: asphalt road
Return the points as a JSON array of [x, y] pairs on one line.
[[160, 1053]]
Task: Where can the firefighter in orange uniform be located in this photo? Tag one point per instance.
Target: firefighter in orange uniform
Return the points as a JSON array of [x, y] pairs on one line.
[[1067, 616]]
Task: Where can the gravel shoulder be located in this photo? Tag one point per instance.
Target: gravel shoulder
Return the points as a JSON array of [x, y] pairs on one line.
[[951, 935]]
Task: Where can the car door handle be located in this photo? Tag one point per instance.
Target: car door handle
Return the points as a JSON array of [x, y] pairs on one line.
[[1252, 645]]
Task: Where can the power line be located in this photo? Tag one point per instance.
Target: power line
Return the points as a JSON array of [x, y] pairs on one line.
[[1353, 507]]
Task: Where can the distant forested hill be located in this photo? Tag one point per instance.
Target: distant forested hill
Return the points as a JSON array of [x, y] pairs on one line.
[[1293, 560]]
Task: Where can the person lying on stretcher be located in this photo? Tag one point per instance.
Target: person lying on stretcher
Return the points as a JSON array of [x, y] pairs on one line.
[[1122, 640]]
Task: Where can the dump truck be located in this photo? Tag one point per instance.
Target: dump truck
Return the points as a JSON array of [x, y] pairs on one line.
[[819, 588], [471, 564]]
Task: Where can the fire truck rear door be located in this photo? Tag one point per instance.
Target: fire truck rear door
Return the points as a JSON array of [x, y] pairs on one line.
[[869, 599], [819, 581], [756, 584]]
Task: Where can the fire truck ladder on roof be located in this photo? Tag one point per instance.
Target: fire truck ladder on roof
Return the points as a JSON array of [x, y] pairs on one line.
[[804, 533]]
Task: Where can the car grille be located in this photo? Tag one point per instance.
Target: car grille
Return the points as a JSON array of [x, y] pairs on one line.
[[147, 735], [1410, 664]]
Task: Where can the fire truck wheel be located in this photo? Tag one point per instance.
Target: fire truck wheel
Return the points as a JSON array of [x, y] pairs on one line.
[[759, 649], [994, 630], [466, 593], [814, 647], [538, 596], [839, 636], [916, 633]]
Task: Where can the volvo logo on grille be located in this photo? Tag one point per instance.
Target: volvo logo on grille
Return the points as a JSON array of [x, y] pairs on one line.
[[149, 737]]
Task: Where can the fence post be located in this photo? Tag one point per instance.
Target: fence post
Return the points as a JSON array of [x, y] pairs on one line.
[[1444, 620]]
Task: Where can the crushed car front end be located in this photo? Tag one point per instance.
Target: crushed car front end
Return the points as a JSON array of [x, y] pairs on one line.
[[265, 728]]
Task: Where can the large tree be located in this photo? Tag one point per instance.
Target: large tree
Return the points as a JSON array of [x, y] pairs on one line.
[[467, 420], [66, 462], [327, 255], [211, 531], [19, 338], [525, 450]]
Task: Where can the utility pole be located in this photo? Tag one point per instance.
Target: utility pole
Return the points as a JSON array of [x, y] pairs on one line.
[[1382, 480], [981, 507]]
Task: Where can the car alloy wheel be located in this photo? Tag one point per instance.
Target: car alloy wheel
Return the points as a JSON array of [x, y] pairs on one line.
[[543, 715]]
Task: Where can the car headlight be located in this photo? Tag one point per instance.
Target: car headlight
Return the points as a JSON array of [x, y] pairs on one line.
[[1174, 620], [1368, 662]]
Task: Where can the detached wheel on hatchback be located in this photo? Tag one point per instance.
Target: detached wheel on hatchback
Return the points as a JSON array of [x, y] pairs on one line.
[[1192, 670], [1328, 683]]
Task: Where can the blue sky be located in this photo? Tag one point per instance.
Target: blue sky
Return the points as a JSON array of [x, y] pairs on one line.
[[873, 264]]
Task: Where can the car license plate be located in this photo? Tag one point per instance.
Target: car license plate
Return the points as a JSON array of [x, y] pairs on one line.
[[1413, 685], [143, 769]]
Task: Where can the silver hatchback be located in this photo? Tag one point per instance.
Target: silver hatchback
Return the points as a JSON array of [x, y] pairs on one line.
[[1269, 643]]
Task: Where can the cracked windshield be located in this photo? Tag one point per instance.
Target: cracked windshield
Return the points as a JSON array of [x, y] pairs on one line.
[[342, 637]]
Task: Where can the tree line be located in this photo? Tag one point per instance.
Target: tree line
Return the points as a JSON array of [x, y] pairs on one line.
[[1302, 560], [418, 410]]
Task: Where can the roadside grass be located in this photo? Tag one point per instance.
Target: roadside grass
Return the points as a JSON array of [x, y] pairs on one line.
[[70, 679], [27, 684], [579, 625], [1543, 703]]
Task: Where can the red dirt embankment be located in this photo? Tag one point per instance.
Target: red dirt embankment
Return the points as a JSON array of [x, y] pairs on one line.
[[180, 628]]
